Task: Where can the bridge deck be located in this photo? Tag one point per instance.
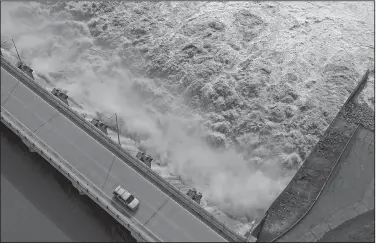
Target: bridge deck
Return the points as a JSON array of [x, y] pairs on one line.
[[160, 213]]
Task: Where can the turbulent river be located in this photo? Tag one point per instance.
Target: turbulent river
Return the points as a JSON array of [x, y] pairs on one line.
[[228, 97]]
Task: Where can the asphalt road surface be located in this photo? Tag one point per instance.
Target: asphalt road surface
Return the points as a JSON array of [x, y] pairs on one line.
[[40, 204]]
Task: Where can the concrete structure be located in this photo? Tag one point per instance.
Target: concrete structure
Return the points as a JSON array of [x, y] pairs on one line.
[[335, 183], [96, 165]]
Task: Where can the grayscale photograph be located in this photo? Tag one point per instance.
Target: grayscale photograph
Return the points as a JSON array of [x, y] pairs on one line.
[[187, 121]]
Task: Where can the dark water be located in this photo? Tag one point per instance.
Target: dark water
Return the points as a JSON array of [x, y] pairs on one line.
[[40, 204]]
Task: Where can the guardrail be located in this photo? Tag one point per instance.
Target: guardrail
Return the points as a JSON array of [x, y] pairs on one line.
[[115, 148], [77, 179]]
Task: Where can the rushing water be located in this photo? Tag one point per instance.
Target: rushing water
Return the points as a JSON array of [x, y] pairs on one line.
[[87, 49]]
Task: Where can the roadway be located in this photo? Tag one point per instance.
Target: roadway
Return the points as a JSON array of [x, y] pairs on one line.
[[39, 204], [163, 217]]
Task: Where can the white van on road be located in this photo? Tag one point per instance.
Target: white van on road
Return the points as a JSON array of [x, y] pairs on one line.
[[126, 197]]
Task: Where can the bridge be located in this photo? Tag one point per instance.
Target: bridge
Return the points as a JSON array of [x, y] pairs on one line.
[[34, 191], [96, 165], [335, 184]]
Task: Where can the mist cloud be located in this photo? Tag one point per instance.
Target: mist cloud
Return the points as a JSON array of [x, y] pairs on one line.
[[65, 52]]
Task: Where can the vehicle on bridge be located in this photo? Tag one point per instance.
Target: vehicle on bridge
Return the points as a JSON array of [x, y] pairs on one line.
[[24, 68], [194, 195], [147, 159], [126, 197], [61, 95], [100, 125]]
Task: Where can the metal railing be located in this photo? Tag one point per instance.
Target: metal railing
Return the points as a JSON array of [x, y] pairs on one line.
[[141, 168]]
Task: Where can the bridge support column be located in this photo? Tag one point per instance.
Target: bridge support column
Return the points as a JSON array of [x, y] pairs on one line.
[[29, 145], [79, 188]]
